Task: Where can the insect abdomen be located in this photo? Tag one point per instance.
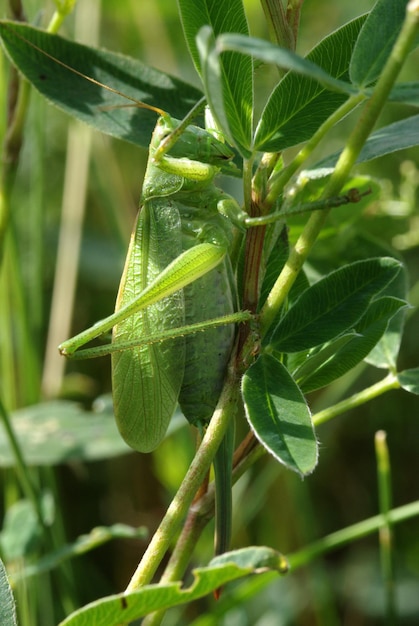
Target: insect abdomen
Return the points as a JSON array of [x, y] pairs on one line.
[[208, 352]]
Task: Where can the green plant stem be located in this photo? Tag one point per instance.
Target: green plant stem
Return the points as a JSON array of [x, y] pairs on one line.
[[291, 269], [10, 154], [198, 518], [200, 513], [351, 533], [293, 15], [203, 510], [388, 383], [64, 8], [280, 179], [14, 136], [346, 161], [253, 246], [21, 468], [383, 472], [178, 563], [254, 585], [247, 185], [370, 113], [190, 485], [277, 20], [385, 533]]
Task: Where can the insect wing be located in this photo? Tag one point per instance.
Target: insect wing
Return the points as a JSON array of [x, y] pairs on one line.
[[208, 352], [147, 379]]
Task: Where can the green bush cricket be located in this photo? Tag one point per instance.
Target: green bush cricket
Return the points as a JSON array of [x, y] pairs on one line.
[[176, 260], [177, 281], [178, 223]]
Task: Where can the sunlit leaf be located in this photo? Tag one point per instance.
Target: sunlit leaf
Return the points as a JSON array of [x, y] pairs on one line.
[[333, 305], [371, 51], [228, 80], [385, 353], [46, 61], [368, 331], [126, 607], [278, 414], [300, 104]]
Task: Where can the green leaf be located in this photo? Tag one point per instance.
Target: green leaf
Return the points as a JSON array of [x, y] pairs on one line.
[[409, 380], [303, 365], [213, 86], [261, 559], [270, 53], [333, 305], [21, 533], [83, 544], [113, 610], [223, 18], [309, 187], [406, 93], [386, 140], [385, 353], [7, 602], [299, 104], [40, 57], [376, 41], [230, 100], [368, 331], [59, 432], [228, 81], [391, 138], [278, 414]]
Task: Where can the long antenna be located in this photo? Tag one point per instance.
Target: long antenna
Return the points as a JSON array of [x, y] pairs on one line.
[[138, 103]]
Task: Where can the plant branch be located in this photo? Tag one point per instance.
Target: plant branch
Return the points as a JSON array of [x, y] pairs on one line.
[[373, 107], [254, 585], [346, 161], [352, 533], [388, 383], [246, 455], [282, 177], [190, 484], [17, 116], [386, 533], [22, 470], [277, 20]]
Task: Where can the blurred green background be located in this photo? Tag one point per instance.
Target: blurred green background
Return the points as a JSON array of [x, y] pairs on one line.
[[272, 507]]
